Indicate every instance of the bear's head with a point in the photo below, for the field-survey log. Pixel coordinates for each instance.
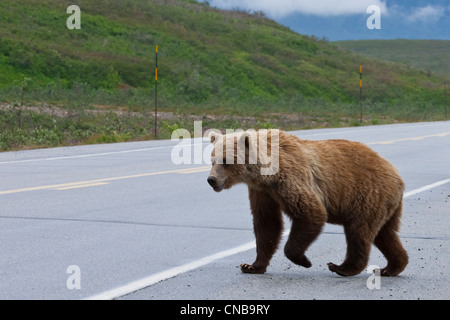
(243, 157)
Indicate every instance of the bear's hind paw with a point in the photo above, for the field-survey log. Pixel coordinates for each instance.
(344, 272)
(334, 268)
(248, 268)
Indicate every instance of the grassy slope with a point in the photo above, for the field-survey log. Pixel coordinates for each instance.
(428, 55)
(210, 61)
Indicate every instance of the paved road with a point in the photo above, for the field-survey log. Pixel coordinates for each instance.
(104, 220)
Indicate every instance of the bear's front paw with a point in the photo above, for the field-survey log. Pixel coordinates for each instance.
(248, 268)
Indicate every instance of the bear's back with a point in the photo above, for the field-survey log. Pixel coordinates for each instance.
(346, 175)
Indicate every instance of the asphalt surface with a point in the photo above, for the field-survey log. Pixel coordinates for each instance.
(123, 221)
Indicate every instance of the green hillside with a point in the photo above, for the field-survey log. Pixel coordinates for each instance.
(226, 64)
(432, 56)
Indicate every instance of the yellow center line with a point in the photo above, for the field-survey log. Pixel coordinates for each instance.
(87, 183)
(98, 182)
(194, 170)
(443, 134)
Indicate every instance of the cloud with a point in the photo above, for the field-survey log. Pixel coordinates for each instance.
(426, 14)
(282, 8)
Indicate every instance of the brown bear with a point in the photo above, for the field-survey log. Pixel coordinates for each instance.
(313, 182)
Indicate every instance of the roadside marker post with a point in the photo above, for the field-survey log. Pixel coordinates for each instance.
(156, 92)
(445, 100)
(360, 93)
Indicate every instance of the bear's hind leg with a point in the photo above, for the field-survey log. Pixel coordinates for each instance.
(388, 242)
(358, 250)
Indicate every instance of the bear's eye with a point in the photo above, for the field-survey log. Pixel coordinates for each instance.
(224, 162)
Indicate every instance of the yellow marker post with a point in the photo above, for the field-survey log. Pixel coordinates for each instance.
(156, 92)
(445, 100)
(360, 76)
(360, 93)
(156, 67)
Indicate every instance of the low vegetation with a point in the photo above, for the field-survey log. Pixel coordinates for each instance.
(227, 68)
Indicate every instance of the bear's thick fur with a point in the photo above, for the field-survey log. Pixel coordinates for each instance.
(335, 181)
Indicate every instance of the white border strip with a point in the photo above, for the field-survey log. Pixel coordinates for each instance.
(173, 272)
(83, 155)
(170, 273)
(425, 188)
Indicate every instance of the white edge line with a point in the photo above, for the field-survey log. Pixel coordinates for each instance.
(298, 133)
(82, 155)
(425, 188)
(91, 154)
(170, 273)
(173, 272)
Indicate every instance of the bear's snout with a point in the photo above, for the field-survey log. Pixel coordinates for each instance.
(217, 186)
(212, 181)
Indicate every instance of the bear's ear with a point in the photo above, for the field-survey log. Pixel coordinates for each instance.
(212, 136)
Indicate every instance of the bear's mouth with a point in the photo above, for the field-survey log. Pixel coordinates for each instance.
(219, 188)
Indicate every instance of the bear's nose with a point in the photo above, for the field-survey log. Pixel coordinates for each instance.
(212, 181)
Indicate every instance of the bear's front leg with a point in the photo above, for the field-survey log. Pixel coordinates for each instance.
(251, 268)
(268, 227)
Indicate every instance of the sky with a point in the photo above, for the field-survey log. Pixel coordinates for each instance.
(351, 19)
